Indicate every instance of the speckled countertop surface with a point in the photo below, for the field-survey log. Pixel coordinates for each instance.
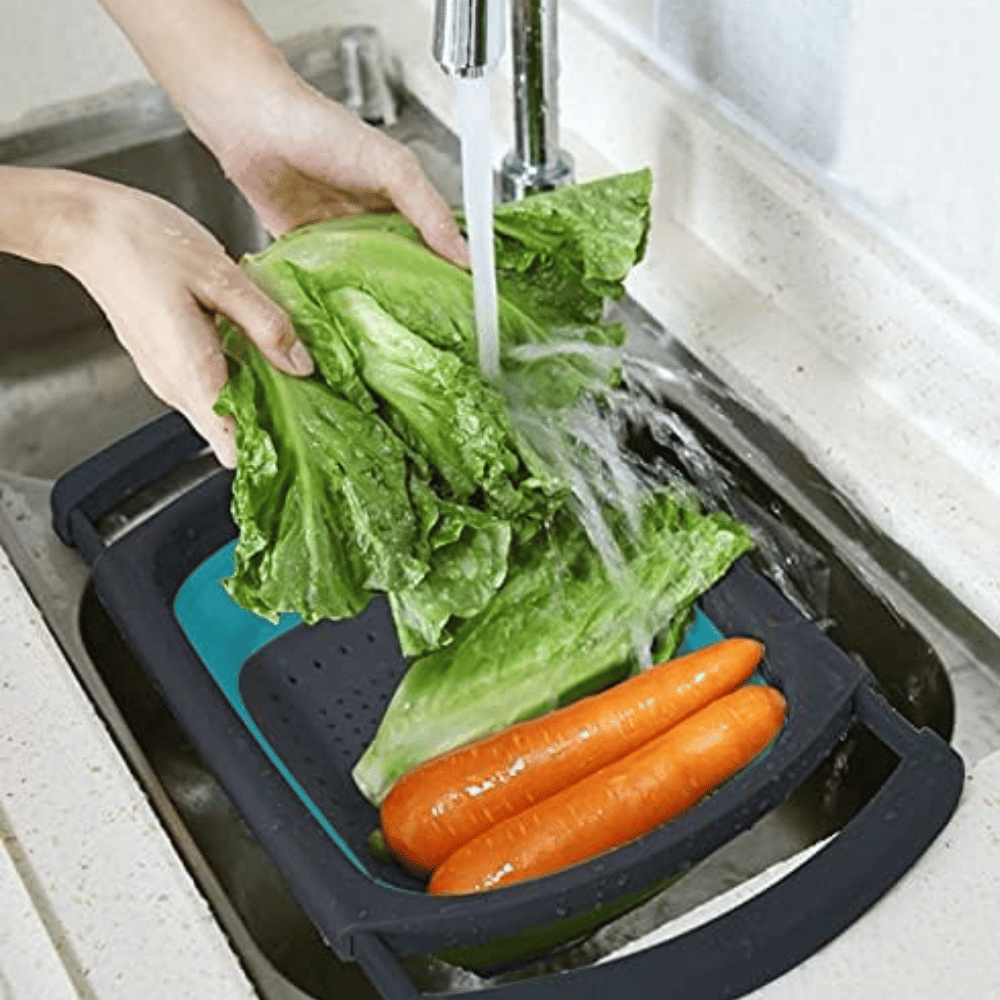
(94, 901)
(883, 377)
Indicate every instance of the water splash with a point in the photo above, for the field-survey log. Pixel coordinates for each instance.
(581, 446)
(795, 566)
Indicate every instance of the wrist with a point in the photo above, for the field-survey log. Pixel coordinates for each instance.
(45, 213)
(204, 53)
(223, 110)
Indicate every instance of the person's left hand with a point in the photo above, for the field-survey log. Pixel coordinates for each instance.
(299, 157)
(161, 279)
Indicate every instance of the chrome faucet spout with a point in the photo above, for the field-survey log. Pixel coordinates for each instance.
(468, 35)
(468, 41)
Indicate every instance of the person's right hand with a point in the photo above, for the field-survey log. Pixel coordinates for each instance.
(160, 277)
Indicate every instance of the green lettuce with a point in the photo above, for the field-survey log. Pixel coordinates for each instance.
(397, 468)
(562, 626)
(511, 558)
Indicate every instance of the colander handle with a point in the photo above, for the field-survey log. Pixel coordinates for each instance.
(92, 489)
(783, 925)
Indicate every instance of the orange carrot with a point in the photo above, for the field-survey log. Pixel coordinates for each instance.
(623, 800)
(438, 806)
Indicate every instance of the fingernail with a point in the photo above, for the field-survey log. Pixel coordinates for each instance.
(460, 252)
(300, 359)
(224, 443)
(227, 456)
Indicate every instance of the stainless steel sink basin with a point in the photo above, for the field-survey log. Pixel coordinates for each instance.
(67, 389)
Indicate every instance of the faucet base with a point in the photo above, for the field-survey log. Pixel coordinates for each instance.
(518, 178)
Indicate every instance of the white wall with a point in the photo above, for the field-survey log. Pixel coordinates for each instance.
(782, 62)
(897, 102)
(59, 50)
(921, 136)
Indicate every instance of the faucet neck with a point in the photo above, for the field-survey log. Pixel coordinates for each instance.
(536, 163)
(468, 41)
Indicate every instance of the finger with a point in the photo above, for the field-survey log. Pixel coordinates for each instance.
(298, 198)
(404, 181)
(234, 295)
(220, 433)
(273, 219)
(204, 371)
(188, 370)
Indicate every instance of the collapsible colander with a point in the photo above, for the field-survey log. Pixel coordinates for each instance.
(281, 713)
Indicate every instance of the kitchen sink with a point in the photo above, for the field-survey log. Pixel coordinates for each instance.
(67, 389)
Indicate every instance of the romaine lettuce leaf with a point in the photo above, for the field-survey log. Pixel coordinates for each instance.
(304, 452)
(561, 257)
(560, 627)
(397, 468)
(394, 470)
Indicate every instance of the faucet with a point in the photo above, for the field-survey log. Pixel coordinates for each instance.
(468, 41)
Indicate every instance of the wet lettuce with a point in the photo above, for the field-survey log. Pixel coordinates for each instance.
(396, 468)
(561, 626)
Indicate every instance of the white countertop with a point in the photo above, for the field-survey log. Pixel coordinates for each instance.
(95, 902)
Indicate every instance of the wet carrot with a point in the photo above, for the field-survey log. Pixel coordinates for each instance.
(438, 806)
(623, 800)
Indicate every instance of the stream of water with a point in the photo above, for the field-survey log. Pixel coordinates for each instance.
(579, 445)
(473, 102)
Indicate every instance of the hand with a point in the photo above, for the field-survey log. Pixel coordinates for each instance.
(299, 157)
(160, 277)
(296, 155)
